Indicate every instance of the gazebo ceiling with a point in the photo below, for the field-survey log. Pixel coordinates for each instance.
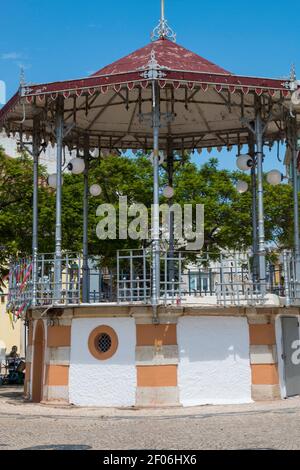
(201, 104)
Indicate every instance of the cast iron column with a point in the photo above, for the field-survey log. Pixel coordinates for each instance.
(294, 149)
(59, 131)
(254, 207)
(155, 222)
(260, 196)
(35, 152)
(170, 167)
(85, 266)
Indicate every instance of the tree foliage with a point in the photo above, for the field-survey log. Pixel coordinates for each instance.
(227, 213)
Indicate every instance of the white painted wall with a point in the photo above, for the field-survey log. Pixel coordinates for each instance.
(214, 361)
(103, 383)
(47, 158)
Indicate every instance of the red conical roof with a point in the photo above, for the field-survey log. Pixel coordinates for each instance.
(168, 54)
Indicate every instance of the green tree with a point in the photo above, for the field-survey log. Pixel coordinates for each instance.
(227, 213)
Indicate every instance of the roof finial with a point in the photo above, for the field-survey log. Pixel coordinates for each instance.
(163, 30)
(162, 11)
(22, 77)
(293, 73)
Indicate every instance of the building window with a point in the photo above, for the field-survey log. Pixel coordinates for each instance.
(199, 282)
(103, 342)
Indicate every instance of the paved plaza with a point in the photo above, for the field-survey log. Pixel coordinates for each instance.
(265, 425)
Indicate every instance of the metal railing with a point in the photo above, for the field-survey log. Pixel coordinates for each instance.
(224, 280)
(133, 275)
(70, 286)
(291, 285)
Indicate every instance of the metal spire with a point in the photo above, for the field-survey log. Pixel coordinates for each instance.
(22, 77)
(163, 30)
(293, 73)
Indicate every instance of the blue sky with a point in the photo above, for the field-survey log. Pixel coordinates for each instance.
(57, 40)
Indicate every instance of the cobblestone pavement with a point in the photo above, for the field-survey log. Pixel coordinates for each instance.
(268, 425)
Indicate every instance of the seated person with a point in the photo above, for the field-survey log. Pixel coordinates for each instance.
(13, 353)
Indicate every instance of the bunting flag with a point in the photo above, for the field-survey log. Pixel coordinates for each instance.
(19, 282)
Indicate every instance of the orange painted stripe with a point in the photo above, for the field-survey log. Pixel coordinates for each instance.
(156, 335)
(57, 375)
(264, 374)
(262, 335)
(59, 336)
(157, 376)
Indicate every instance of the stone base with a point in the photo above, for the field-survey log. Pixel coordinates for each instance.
(157, 396)
(265, 392)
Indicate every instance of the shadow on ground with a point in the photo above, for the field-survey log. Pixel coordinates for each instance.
(59, 447)
(12, 392)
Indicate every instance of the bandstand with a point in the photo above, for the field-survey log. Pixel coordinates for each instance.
(152, 342)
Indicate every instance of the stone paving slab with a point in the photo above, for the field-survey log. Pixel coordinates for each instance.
(268, 425)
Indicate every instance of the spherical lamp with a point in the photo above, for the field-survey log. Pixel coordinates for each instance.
(76, 166)
(242, 187)
(168, 192)
(52, 181)
(95, 190)
(274, 177)
(244, 162)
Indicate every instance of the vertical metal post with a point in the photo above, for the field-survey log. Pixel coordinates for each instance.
(145, 274)
(286, 279)
(260, 196)
(118, 277)
(59, 131)
(35, 152)
(294, 148)
(131, 275)
(155, 223)
(68, 289)
(85, 265)
(162, 10)
(254, 208)
(170, 167)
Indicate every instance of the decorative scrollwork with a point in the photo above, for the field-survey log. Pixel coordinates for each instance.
(163, 30)
(152, 70)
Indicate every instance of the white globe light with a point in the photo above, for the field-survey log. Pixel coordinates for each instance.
(52, 181)
(244, 162)
(241, 187)
(95, 190)
(168, 192)
(95, 153)
(77, 166)
(274, 177)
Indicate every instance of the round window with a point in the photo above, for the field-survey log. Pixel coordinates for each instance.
(103, 342)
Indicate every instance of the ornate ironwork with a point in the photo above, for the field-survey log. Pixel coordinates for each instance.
(163, 30)
(153, 71)
(292, 84)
